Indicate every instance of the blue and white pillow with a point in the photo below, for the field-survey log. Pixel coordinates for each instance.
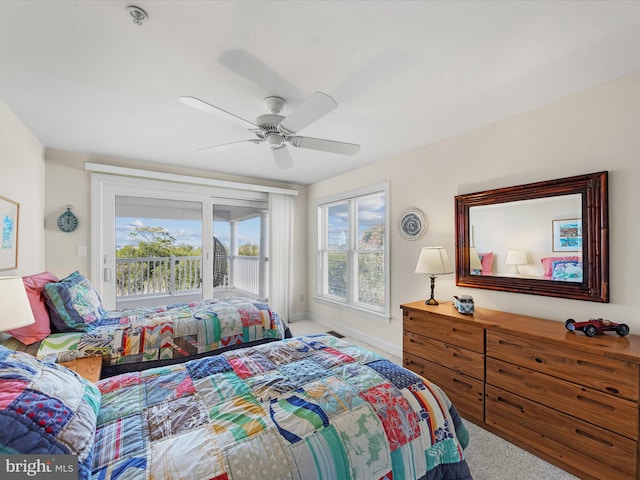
(74, 305)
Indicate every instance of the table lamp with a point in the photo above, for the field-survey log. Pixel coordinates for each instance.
(433, 261)
(15, 310)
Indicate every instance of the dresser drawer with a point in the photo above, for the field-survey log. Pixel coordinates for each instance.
(438, 327)
(451, 356)
(466, 393)
(601, 373)
(615, 414)
(581, 445)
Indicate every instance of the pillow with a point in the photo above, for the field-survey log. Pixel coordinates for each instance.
(547, 263)
(34, 284)
(74, 305)
(46, 409)
(567, 271)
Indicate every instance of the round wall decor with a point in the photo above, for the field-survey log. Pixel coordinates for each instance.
(67, 222)
(412, 224)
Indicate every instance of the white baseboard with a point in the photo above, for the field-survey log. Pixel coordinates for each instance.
(357, 334)
(298, 316)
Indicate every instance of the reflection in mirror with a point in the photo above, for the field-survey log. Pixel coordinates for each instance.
(539, 238)
(544, 238)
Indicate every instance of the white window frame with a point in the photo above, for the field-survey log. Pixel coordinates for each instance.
(351, 302)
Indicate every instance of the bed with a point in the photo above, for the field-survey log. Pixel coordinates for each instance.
(302, 408)
(74, 324)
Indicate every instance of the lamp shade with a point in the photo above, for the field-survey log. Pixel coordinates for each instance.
(474, 259)
(516, 257)
(433, 261)
(15, 310)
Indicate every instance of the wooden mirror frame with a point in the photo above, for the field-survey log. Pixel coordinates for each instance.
(593, 189)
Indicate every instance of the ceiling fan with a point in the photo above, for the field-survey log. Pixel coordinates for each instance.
(279, 131)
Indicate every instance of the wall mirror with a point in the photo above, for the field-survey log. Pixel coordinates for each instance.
(545, 238)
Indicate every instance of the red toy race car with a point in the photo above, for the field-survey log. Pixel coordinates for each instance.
(594, 326)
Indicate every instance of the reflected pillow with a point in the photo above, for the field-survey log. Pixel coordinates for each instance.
(46, 408)
(74, 305)
(486, 260)
(567, 271)
(547, 263)
(33, 285)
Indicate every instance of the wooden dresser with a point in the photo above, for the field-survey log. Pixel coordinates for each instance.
(567, 398)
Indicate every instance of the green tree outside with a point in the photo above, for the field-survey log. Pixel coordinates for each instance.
(158, 243)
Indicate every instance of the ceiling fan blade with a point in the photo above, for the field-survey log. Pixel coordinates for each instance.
(226, 146)
(312, 109)
(217, 111)
(282, 156)
(325, 145)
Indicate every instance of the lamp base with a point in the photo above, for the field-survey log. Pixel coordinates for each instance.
(432, 300)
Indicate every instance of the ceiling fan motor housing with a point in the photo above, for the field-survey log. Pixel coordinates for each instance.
(268, 124)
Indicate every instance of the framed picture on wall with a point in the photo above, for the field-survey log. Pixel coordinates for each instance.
(567, 235)
(9, 241)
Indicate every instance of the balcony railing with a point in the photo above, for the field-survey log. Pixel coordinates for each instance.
(139, 278)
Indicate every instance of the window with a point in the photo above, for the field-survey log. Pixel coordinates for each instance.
(352, 250)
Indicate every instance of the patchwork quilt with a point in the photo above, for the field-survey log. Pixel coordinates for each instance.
(304, 408)
(168, 332)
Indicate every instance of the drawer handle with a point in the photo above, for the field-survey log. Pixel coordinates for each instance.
(460, 382)
(611, 408)
(408, 363)
(510, 344)
(606, 443)
(417, 342)
(459, 355)
(582, 363)
(510, 374)
(615, 391)
(538, 360)
(511, 404)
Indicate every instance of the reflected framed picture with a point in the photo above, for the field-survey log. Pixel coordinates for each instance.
(9, 242)
(567, 235)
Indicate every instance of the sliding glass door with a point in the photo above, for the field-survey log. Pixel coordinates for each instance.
(152, 245)
(158, 251)
(240, 227)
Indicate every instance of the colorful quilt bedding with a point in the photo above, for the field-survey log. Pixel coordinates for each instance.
(151, 336)
(304, 408)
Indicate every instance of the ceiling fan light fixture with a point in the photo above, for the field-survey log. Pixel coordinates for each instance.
(275, 140)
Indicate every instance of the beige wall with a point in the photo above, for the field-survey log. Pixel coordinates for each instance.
(587, 132)
(68, 183)
(22, 180)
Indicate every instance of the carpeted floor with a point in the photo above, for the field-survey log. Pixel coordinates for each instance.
(492, 458)
(489, 456)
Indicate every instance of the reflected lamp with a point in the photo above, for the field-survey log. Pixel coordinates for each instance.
(516, 257)
(474, 260)
(15, 310)
(433, 261)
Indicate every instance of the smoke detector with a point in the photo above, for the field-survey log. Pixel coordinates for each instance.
(138, 14)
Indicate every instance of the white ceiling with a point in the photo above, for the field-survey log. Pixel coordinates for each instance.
(83, 77)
